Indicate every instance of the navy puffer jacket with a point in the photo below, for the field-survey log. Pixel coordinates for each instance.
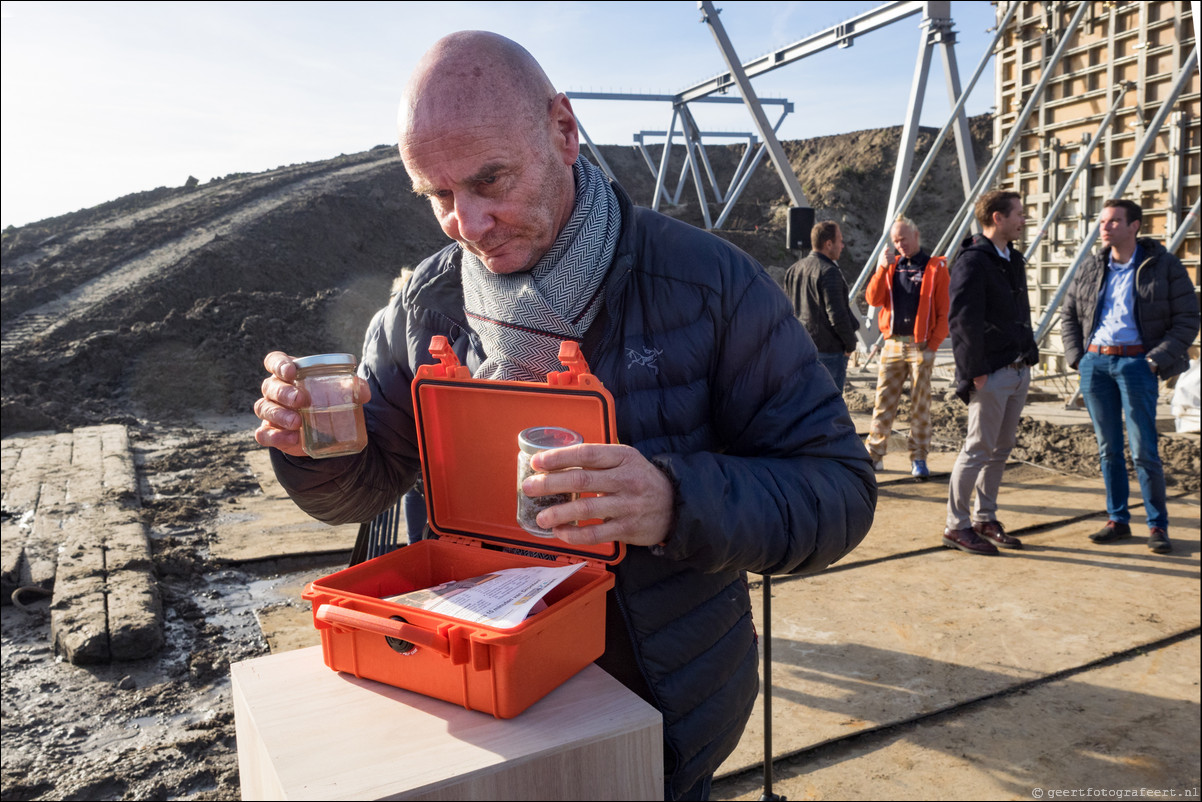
(1166, 308)
(717, 383)
(989, 315)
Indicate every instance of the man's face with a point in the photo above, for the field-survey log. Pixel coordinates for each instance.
(834, 249)
(1116, 232)
(498, 187)
(1011, 225)
(905, 239)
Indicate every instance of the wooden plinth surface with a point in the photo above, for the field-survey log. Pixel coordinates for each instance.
(306, 732)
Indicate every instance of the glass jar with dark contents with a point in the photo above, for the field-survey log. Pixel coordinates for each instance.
(530, 442)
(332, 424)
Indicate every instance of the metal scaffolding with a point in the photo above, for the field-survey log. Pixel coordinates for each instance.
(936, 34)
(695, 153)
(1094, 99)
(898, 207)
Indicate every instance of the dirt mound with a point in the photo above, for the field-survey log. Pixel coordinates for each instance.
(298, 259)
(161, 304)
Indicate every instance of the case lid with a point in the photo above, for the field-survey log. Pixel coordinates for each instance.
(468, 439)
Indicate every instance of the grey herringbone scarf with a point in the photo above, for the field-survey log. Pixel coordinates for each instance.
(522, 318)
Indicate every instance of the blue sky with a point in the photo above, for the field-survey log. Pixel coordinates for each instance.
(103, 99)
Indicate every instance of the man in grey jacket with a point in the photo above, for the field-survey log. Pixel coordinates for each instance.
(736, 451)
(1129, 317)
(818, 291)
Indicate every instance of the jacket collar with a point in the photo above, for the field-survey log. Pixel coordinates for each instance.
(1146, 250)
(979, 242)
(822, 257)
(436, 284)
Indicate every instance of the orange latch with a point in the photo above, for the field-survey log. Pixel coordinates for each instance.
(448, 366)
(577, 374)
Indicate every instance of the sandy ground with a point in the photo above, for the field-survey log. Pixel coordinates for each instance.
(163, 727)
(1138, 713)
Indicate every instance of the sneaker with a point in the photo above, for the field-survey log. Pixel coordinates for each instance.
(878, 463)
(967, 540)
(919, 470)
(1112, 531)
(993, 532)
(1158, 541)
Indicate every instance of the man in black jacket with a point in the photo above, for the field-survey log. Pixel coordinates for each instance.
(990, 325)
(818, 291)
(1129, 317)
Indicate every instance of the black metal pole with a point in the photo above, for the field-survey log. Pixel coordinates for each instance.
(768, 796)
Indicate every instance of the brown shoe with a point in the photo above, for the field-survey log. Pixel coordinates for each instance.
(967, 540)
(1112, 531)
(1158, 541)
(993, 531)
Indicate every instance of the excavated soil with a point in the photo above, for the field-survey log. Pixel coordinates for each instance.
(155, 311)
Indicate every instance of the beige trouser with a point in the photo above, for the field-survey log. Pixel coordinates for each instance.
(900, 360)
(993, 415)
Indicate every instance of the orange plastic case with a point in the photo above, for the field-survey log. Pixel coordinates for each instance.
(467, 437)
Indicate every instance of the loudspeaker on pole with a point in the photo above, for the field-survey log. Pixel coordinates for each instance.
(797, 228)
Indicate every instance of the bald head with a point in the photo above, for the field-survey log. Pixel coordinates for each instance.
(470, 74)
(485, 137)
(905, 237)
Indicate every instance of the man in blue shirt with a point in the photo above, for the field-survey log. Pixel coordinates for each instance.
(1129, 317)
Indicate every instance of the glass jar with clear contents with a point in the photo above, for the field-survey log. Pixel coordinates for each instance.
(530, 442)
(332, 424)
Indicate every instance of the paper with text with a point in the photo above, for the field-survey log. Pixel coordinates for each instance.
(500, 599)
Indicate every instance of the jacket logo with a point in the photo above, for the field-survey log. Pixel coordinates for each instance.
(646, 359)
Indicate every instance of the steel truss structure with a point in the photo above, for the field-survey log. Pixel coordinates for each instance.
(1094, 99)
(696, 158)
(937, 34)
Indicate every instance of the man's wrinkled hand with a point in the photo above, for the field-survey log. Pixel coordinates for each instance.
(635, 503)
(279, 407)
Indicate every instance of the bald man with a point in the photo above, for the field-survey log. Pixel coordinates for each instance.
(737, 453)
(911, 291)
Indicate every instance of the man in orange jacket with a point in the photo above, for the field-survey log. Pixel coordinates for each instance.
(911, 292)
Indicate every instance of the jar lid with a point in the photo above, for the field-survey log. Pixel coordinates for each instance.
(324, 361)
(541, 438)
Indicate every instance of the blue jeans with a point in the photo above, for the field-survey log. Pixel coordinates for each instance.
(1115, 387)
(836, 365)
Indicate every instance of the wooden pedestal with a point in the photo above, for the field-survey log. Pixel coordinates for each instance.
(306, 732)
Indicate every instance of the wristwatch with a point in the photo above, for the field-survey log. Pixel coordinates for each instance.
(1151, 363)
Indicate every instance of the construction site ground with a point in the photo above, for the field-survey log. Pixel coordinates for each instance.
(907, 671)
